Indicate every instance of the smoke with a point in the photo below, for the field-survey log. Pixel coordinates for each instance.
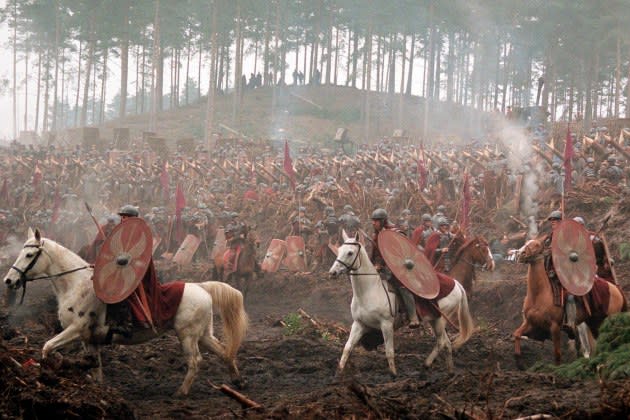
(10, 251)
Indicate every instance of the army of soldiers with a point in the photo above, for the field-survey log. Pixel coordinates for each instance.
(243, 183)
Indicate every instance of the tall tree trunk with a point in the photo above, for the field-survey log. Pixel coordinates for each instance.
(618, 74)
(391, 80)
(124, 61)
(411, 57)
(336, 55)
(94, 70)
(588, 108)
(329, 45)
(213, 83)
(25, 125)
(137, 98)
(186, 84)
(156, 81)
(62, 118)
(402, 81)
(628, 88)
(143, 92)
(450, 66)
(437, 65)
(103, 100)
(46, 127)
(266, 80)
(368, 78)
(212, 63)
(275, 62)
(236, 98)
(14, 122)
(39, 86)
(57, 42)
(355, 57)
(88, 69)
(378, 62)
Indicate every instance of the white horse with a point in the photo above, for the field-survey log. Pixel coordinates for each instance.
(82, 314)
(374, 307)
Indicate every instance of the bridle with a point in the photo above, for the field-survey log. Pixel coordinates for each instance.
(350, 267)
(24, 279)
(472, 263)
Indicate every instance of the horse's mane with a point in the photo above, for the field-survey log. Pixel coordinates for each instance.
(466, 244)
(71, 252)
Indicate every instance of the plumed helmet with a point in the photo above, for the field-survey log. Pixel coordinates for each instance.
(128, 210)
(379, 214)
(426, 217)
(443, 222)
(555, 215)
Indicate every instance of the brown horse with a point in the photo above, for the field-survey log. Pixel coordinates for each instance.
(542, 319)
(246, 264)
(474, 253)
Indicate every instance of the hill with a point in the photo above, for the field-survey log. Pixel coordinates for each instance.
(310, 114)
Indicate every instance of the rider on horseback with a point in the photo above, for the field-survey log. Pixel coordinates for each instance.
(380, 222)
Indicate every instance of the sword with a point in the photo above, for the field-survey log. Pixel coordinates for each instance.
(100, 229)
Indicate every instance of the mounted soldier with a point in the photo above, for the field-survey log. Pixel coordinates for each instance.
(422, 232)
(437, 246)
(379, 223)
(90, 252)
(135, 308)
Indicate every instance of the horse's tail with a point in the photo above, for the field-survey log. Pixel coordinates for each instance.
(230, 303)
(466, 326)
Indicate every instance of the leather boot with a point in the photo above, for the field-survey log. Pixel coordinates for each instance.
(410, 307)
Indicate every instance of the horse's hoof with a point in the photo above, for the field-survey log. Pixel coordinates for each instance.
(239, 383)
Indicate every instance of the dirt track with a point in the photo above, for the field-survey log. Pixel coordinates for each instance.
(294, 375)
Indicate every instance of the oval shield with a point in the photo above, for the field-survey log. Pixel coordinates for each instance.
(123, 260)
(573, 257)
(408, 264)
(295, 259)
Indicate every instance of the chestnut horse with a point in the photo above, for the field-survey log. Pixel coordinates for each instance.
(474, 253)
(245, 266)
(542, 319)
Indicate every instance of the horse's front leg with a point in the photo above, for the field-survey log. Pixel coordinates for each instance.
(387, 328)
(356, 332)
(73, 332)
(518, 333)
(556, 339)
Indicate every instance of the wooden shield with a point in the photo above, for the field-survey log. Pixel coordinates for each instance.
(573, 257)
(296, 254)
(408, 264)
(123, 260)
(275, 253)
(220, 244)
(187, 249)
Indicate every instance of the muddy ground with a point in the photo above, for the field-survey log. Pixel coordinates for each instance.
(290, 369)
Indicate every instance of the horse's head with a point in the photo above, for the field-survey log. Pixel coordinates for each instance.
(348, 255)
(530, 251)
(484, 255)
(29, 262)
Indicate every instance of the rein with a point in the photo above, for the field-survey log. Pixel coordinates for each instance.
(23, 279)
(351, 269)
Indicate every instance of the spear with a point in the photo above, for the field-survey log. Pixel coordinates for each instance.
(100, 229)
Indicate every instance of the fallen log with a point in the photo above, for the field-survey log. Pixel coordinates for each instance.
(240, 398)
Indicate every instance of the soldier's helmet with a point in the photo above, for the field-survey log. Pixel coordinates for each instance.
(128, 210)
(329, 210)
(302, 209)
(233, 214)
(580, 220)
(406, 212)
(347, 208)
(426, 217)
(202, 206)
(379, 214)
(555, 165)
(112, 218)
(443, 222)
(555, 215)
(441, 208)
(612, 159)
(590, 160)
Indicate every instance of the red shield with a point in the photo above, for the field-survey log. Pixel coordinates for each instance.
(123, 260)
(408, 264)
(573, 257)
(219, 244)
(296, 254)
(275, 253)
(187, 249)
